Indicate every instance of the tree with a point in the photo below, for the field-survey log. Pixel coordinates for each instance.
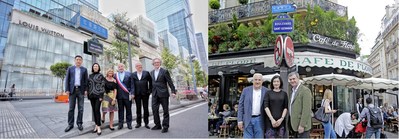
(186, 71)
(59, 70)
(119, 48)
(168, 60)
(199, 74)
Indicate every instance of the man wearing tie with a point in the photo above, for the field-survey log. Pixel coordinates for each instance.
(160, 94)
(142, 89)
(76, 85)
(124, 95)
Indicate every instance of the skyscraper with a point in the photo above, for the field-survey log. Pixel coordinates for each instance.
(173, 15)
(203, 57)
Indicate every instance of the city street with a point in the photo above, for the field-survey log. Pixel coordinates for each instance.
(47, 119)
(187, 122)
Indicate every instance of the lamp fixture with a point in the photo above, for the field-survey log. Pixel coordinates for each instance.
(339, 70)
(252, 71)
(220, 73)
(308, 69)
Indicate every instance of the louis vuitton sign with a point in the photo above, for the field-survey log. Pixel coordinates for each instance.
(42, 29)
(317, 38)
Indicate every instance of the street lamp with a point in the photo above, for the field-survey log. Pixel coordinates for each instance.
(130, 30)
(191, 52)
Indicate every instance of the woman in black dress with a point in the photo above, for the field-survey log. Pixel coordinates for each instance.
(96, 93)
(276, 107)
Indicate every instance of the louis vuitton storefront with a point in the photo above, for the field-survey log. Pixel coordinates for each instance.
(229, 72)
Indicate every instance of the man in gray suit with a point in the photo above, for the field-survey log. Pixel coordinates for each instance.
(251, 111)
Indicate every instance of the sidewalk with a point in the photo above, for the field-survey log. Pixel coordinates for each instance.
(46, 119)
(13, 124)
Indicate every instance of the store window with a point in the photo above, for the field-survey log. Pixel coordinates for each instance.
(344, 99)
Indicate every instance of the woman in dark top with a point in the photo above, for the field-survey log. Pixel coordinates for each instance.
(109, 103)
(276, 107)
(96, 93)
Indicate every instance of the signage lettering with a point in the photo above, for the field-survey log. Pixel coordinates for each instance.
(233, 62)
(328, 61)
(42, 29)
(316, 38)
(332, 62)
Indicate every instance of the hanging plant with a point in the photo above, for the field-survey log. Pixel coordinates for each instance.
(243, 2)
(214, 4)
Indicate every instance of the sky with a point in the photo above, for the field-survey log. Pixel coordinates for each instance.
(134, 8)
(368, 15)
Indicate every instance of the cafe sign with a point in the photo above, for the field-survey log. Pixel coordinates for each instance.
(317, 38)
(333, 62)
(236, 61)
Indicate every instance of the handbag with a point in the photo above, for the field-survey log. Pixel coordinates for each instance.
(321, 115)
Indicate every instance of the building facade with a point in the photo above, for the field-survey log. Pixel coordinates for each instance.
(384, 54)
(146, 29)
(170, 42)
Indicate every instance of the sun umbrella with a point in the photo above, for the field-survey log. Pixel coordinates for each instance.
(376, 83)
(332, 79)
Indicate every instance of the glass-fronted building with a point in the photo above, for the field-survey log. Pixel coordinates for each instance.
(39, 33)
(171, 15)
(203, 57)
(58, 11)
(170, 42)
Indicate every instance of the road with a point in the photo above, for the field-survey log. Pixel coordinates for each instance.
(187, 122)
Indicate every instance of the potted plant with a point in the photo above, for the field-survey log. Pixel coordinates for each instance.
(59, 70)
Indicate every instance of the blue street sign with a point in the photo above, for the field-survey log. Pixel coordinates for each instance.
(283, 8)
(283, 26)
(282, 16)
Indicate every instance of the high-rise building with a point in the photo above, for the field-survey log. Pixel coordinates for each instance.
(146, 29)
(170, 42)
(174, 16)
(203, 57)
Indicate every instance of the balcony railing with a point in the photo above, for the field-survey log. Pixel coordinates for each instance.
(264, 7)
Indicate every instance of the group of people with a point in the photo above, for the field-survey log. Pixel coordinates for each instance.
(262, 112)
(116, 92)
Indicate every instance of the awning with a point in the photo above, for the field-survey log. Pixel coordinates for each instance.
(302, 59)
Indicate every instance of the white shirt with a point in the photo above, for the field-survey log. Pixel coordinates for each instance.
(343, 123)
(294, 91)
(77, 76)
(139, 75)
(256, 98)
(156, 72)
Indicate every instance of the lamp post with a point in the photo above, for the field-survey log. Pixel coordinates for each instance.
(130, 30)
(191, 52)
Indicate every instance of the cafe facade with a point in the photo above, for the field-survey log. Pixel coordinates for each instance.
(229, 72)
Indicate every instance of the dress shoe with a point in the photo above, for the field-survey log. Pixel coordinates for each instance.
(120, 127)
(94, 131)
(80, 127)
(68, 128)
(99, 133)
(137, 126)
(146, 126)
(164, 130)
(111, 128)
(129, 126)
(156, 128)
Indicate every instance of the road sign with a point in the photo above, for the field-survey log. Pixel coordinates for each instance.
(289, 51)
(283, 26)
(278, 50)
(283, 8)
(282, 16)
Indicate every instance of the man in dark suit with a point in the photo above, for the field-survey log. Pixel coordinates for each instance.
(141, 90)
(76, 81)
(124, 95)
(160, 94)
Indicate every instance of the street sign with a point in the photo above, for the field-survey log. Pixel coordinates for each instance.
(283, 8)
(282, 16)
(283, 26)
(278, 50)
(289, 51)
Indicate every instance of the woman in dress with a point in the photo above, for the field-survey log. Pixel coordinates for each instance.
(109, 103)
(96, 93)
(276, 107)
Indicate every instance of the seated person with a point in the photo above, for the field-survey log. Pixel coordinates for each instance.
(226, 113)
(212, 122)
(343, 124)
(233, 124)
